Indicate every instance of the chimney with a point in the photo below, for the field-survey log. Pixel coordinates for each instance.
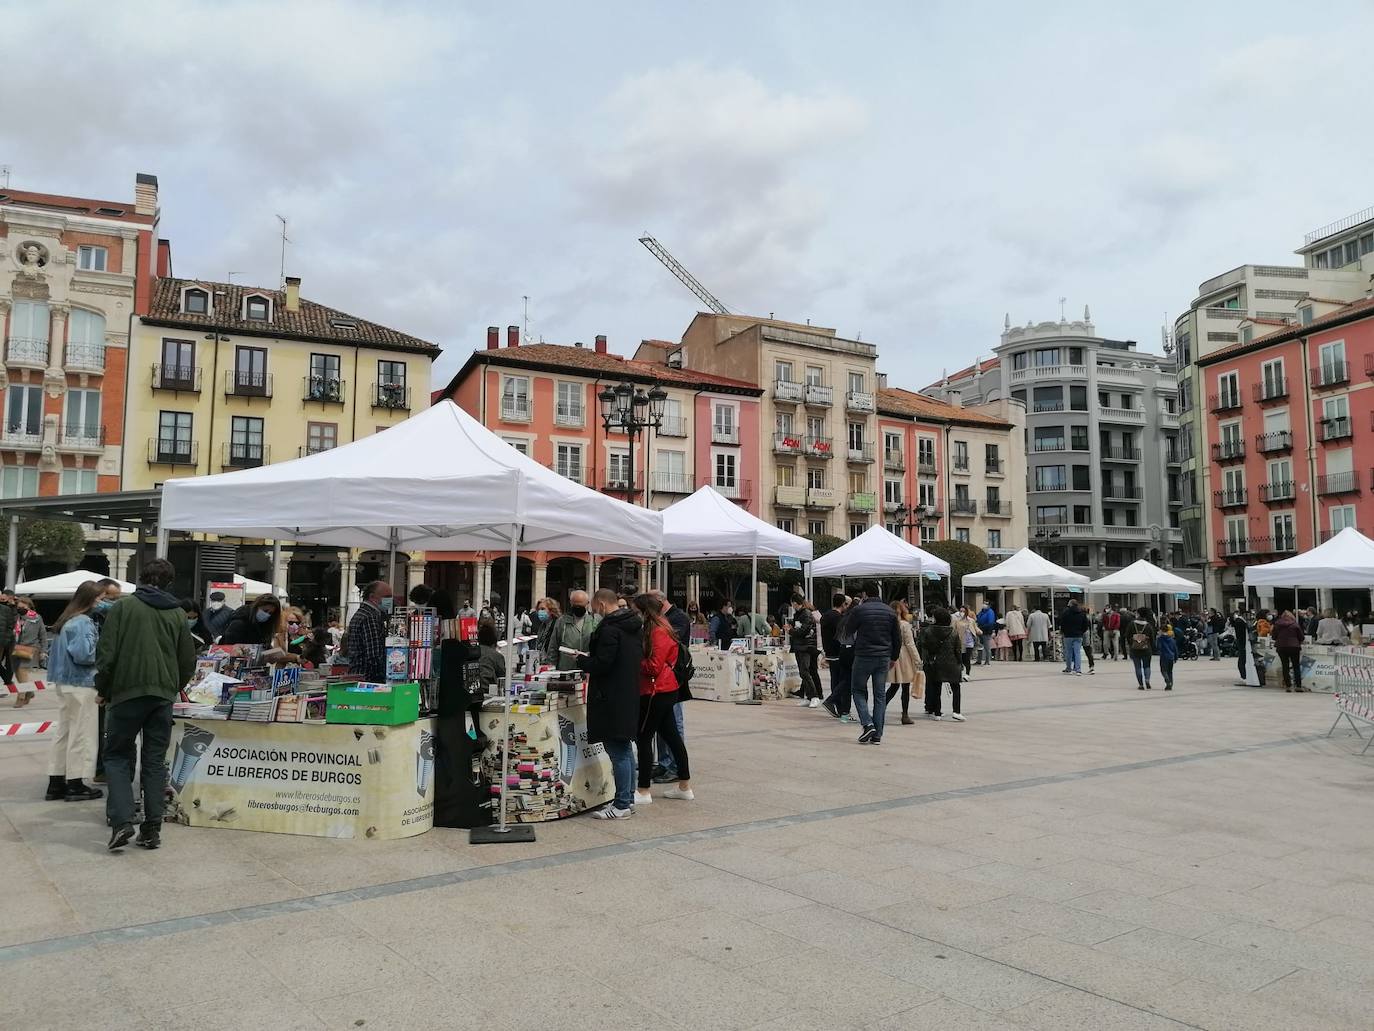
(164, 259)
(601, 343)
(881, 377)
(293, 293)
(145, 194)
(512, 336)
(493, 337)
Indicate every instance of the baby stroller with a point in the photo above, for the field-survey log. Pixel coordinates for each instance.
(1188, 639)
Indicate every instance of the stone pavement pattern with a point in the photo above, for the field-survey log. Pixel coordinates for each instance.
(1077, 855)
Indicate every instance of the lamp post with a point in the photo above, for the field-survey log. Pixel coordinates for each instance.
(631, 411)
(910, 517)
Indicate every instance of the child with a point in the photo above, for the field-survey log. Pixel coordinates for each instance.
(1167, 646)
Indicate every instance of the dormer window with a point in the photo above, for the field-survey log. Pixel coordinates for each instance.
(196, 302)
(257, 308)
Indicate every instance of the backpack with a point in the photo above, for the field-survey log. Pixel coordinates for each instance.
(1140, 641)
(683, 672)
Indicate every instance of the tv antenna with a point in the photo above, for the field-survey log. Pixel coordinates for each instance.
(526, 338)
(281, 285)
(5, 176)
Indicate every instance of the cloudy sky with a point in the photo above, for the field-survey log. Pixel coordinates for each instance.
(907, 172)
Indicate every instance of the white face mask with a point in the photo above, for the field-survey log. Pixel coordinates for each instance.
(215, 606)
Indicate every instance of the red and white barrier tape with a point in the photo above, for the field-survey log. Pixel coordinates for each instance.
(36, 685)
(26, 729)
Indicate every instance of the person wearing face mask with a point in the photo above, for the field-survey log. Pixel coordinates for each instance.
(695, 615)
(110, 593)
(217, 615)
(546, 616)
(367, 633)
(572, 630)
(723, 626)
(258, 622)
(200, 636)
(296, 640)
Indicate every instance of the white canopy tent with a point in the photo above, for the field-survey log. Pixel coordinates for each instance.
(438, 481)
(709, 525)
(1346, 560)
(1144, 577)
(252, 588)
(1026, 569)
(878, 552)
(63, 585)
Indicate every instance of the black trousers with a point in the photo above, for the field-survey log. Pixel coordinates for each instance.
(906, 695)
(656, 717)
(968, 660)
(1289, 660)
(1242, 646)
(808, 668)
(1039, 647)
(1017, 648)
(151, 717)
(935, 689)
(840, 695)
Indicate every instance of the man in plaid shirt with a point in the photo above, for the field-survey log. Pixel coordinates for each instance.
(367, 634)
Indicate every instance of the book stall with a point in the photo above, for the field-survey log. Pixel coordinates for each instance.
(754, 669)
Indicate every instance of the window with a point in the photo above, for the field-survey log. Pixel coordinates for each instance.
(1341, 517)
(1050, 477)
(1247, 333)
(786, 525)
(1230, 437)
(992, 458)
(321, 436)
(568, 460)
(782, 372)
(1078, 555)
(519, 443)
(856, 436)
(1078, 399)
(815, 478)
(85, 330)
(1305, 314)
(1047, 357)
(1367, 243)
(994, 499)
(856, 382)
(892, 492)
(83, 416)
(1082, 515)
(925, 452)
(858, 483)
(1333, 362)
(1081, 480)
(1228, 390)
(1237, 537)
(926, 496)
(325, 383)
(724, 426)
(1049, 399)
(726, 463)
(30, 327)
(815, 426)
(815, 527)
(783, 423)
(618, 469)
(245, 441)
(961, 498)
(1049, 438)
(1234, 483)
(196, 302)
(569, 407)
(856, 529)
(1078, 438)
(19, 481)
(961, 455)
(674, 425)
(1335, 417)
(1020, 360)
(672, 470)
(24, 414)
(815, 376)
(178, 363)
(1280, 475)
(91, 259)
(174, 436)
(927, 533)
(787, 475)
(1285, 534)
(78, 481)
(515, 402)
(892, 445)
(961, 534)
(250, 370)
(1271, 374)
(256, 308)
(994, 539)
(391, 374)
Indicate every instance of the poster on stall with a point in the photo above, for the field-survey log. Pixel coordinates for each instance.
(331, 781)
(721, 676)
(233, 594)
(553, 770)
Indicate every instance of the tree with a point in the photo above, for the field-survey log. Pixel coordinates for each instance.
(962, 557)
(730, 578)
(54, 539)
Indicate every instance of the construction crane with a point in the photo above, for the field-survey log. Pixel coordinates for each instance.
(688, 280)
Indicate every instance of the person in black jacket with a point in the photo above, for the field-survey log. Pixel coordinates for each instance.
(942, 659)
(723, 627)
(259, 622)
(877, 643)
(801, 637)
(613, 694)
(839, 657)
(1073, 624)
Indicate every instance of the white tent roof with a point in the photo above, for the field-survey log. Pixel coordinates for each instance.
(63, 585)
(440, 480)
(708, 525)
(877, 552)
(1026, 569)
(1144, 578)
(1346, 560)
(253, 588)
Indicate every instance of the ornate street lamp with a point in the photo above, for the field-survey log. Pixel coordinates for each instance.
(631, 411)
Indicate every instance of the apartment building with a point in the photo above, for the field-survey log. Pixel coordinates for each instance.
(542, 399)
(1101, 433)
(951, 472)
(818, 450)
(1290, 425)
(1336, 268)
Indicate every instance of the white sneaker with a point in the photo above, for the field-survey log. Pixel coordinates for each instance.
(815, 704)
(956, 716)
(643, 798)
(610, 812)
(932, 716)
(677, 792)
(804, 704)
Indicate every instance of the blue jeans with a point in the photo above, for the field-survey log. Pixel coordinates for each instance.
(1073, 654)
(1142, 668)
(870, 670)
(623, 768)
(985, 648)
(1213, 647)
(666, 758)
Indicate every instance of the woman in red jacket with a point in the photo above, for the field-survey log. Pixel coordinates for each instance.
(657, 696)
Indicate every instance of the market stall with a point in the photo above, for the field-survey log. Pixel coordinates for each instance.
(1144, 577)
(438, 481)
(879, 553)
(1029, 570)
(63, 585)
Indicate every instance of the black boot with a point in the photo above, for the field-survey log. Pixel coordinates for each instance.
(79, 791)
(57, 789)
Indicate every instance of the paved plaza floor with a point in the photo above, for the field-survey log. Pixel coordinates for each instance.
(1078, 854)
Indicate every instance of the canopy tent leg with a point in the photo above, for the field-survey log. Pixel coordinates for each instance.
(921, 596)
(591, 573)
(390, 559)
(754, 589)
(278, 587)
(503, 832)
(12, 550)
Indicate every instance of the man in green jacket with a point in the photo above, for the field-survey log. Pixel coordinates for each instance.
(573, 630)
(144, 659)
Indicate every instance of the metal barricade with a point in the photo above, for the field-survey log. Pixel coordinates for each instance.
(1354, 693)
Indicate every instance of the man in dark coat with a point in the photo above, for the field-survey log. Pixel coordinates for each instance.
(617, 647)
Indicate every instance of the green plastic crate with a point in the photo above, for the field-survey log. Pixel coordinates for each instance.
(386, 705)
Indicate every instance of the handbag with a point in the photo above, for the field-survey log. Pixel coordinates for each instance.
(22, 651)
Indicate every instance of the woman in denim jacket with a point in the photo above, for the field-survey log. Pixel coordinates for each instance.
(71, 668)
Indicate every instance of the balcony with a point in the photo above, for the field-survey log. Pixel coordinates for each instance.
(789, 497)
(1167, 417)
(1116, 492)
(180, 379)
(1325, 535)
(515, 409)
(724, 434)
(1275, 388)
(1121, 454)
(1050, 531)
(82, 438)
(613, 484)
(787, 391)
(964, 507)
(859, 401)
(862, 455)
(737, 490)
(1339, 483)
(1173, 458)
(246, 456)
(820, 396)
(1132, 415)
(1040, 407)
(1228, 451)
(994, 467)
(926, 467)
(787, 444)
(673, 426)
(1049, 372)
(820, 497)
(1126, 533)
(1175, 501)
(671, 483)
(1274, 442)
(1116, 374)
(863, 501)
(85, 358)
(31, 352)
(819, 447)
(172, 451)
(1332, 373)
(1233, 547)
(999, 508)
(1232, 498)
(238, 383)
(895, 461)
(313, 449)
(1334, 429)
(393, 397)
(325, 390)
(1042, 444)
(1278, 544)
(961, 463)
(1278, 490)
(19, 436)
(1227, 401)
(571, 416)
